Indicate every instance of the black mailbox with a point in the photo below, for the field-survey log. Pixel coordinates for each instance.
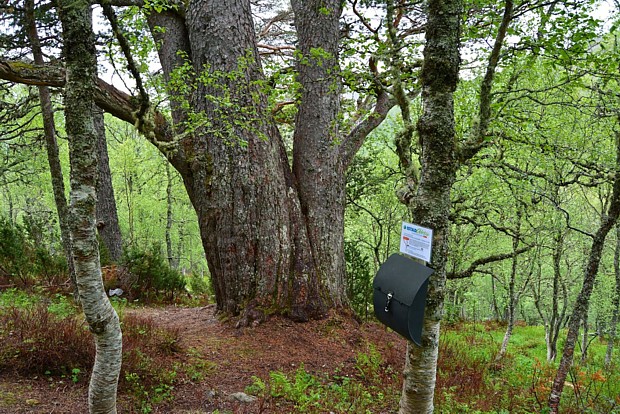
(400, 294)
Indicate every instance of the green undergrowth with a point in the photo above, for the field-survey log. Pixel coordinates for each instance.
(370, 388)
(470, 380)
(47, 337)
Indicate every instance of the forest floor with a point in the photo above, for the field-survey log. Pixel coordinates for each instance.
(234, 358)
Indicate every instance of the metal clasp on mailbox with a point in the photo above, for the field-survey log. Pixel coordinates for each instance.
(390, 295)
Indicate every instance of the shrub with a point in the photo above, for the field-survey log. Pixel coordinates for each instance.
(150, 273)
(24, 260)
(199, 285)
(14, 251)
(35, 341)
(359, 279)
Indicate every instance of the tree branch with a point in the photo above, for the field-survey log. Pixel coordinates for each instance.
(156, 128)
(354, 140)
(473, 267)
(477, 141)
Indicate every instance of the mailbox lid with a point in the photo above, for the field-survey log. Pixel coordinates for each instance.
(401, 276)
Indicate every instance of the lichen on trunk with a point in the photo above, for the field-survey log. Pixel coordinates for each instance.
(79, 50)
(431, 205)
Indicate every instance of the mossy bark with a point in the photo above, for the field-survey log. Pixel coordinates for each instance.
(81, 72)
(430, 207)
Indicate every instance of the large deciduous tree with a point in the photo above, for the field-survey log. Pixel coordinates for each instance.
(271, 227)
(272, 232)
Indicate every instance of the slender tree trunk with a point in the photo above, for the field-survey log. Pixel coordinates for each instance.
(555, 323)
(615, 303)
(171, 261)
(583, 299)
(107, 216)
(80, 55)
(51, 145)
(496, 314)
(584, 339)
(431, 206)
(512, 296)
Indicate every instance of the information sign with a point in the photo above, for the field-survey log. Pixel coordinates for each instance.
(416, 241)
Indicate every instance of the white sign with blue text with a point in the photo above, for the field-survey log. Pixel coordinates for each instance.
(416, 241)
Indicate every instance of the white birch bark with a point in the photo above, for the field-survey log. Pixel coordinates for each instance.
(79, 49)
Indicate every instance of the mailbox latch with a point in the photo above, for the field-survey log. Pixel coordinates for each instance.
(390, 295)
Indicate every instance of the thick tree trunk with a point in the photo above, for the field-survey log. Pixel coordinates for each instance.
(431, 205)
(79, 50)
(270, 240)
(107, 217)
(583, 299)
(51, 145)
(318, 164)
(241, 185)
(615, 302)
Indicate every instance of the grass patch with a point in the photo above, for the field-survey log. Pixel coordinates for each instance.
(470, 381)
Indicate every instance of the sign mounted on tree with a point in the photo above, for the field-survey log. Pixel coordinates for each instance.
(399, 295)
(416, 241)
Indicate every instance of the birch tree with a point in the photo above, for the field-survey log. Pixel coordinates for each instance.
(79, 50)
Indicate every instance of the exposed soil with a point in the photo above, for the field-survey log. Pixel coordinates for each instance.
(324, 346)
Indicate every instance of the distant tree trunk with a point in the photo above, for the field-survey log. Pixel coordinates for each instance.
(615, 302)
(512, 296)
(171, 262)
(553, 323)
(584, 339)
(496, 313)
(79, 51)
(556, 320)
(107, 216)
(608, 220)
(51, 145)
(431, 205)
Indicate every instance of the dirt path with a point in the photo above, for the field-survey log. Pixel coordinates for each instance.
(233, 356)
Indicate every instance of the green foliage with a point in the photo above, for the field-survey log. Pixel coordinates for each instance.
(472, 381)
(22, 260)
(200, 285)
(370, 391)
(359, 278)
(14, 262)
(151, 273)
(15, 298)
(369, 364)
(62, 306)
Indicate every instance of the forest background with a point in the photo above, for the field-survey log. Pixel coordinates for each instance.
(535, 116)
